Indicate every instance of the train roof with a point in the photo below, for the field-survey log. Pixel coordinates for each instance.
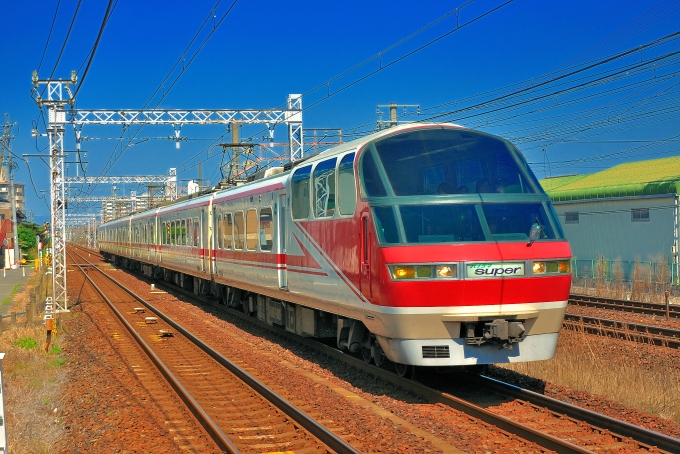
(357, 143)
(203, 198)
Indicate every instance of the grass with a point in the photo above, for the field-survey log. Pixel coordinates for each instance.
(7, 300)
(32, 385)
(620, 371)
(26, 343)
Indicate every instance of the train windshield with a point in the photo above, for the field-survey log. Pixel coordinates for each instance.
(444, 161)
(453, 223)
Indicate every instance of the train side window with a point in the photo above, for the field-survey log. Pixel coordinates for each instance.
(239, 231)
(220, 237)
(347, 193)
(172, 232)
(266, 229)
(228, 231)
(300, 193)
(195, 233)
(183, 232)
(324, 188)
(251, 230)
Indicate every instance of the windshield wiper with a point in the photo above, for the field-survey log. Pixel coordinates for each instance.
(535, 233)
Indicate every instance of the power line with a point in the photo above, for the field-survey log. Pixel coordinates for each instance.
(94, 49)
(569, 74)
(113, 158)
(61, 52)
(379, 55)
(49, 35)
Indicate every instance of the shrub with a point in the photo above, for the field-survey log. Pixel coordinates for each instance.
(26, 342)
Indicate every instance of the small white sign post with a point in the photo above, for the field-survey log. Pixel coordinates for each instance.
(3, 421)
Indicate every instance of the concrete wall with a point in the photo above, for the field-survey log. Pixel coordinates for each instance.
(606, 227)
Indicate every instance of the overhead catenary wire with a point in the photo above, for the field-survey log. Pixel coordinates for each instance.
(49, 35)
(113, 158)
(63, 46)
(94, 48)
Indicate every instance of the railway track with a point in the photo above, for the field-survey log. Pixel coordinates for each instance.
(638, 307)
(237, 411)
(655, 335)
(549, 423)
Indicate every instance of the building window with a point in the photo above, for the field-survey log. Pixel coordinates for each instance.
(571, 217)
(639, 214)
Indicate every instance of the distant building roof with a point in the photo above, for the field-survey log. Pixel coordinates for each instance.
(656, 176)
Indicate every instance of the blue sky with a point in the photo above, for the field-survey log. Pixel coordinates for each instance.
(264, 50)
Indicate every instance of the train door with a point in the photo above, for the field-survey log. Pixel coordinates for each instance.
(365, 258)
(205, 242)
(281, 241)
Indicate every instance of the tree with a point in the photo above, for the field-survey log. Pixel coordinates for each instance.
(27, 232)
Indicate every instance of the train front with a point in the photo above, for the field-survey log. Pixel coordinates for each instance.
(466, 262)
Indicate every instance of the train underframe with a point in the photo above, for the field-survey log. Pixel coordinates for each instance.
(481, 340)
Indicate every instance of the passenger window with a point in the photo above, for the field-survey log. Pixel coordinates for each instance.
(173, 233)
(183, 232)
(266, 229)
(196, 232)
(239, 231)
(220, 238)
(251, 230)
(346, 189)
(228, 231)
(300, 192)
(324, 188)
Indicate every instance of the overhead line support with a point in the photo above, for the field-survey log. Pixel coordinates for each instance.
(58, 96)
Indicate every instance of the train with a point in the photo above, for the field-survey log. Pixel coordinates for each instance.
(426, 244)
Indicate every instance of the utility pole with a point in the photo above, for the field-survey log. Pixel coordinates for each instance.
(9, 163)
(408, 109)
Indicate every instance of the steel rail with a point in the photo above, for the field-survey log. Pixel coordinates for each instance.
(312, 426)
(204, 419)
(637, 433)
(520, 430)
(639, 307)
(656, 335)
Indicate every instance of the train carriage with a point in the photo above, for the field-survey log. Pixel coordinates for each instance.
(428, 244)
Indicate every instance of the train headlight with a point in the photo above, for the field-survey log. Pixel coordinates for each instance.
(564, 266)
(399, 272)
(424, 271)
(403, 272)
(539, 267)
(446, 270)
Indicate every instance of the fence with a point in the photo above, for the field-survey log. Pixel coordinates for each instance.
(35, 305)
(623, 269)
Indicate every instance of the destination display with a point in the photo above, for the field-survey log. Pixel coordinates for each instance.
(495, 269)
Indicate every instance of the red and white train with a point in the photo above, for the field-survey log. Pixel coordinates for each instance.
(428, 244)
